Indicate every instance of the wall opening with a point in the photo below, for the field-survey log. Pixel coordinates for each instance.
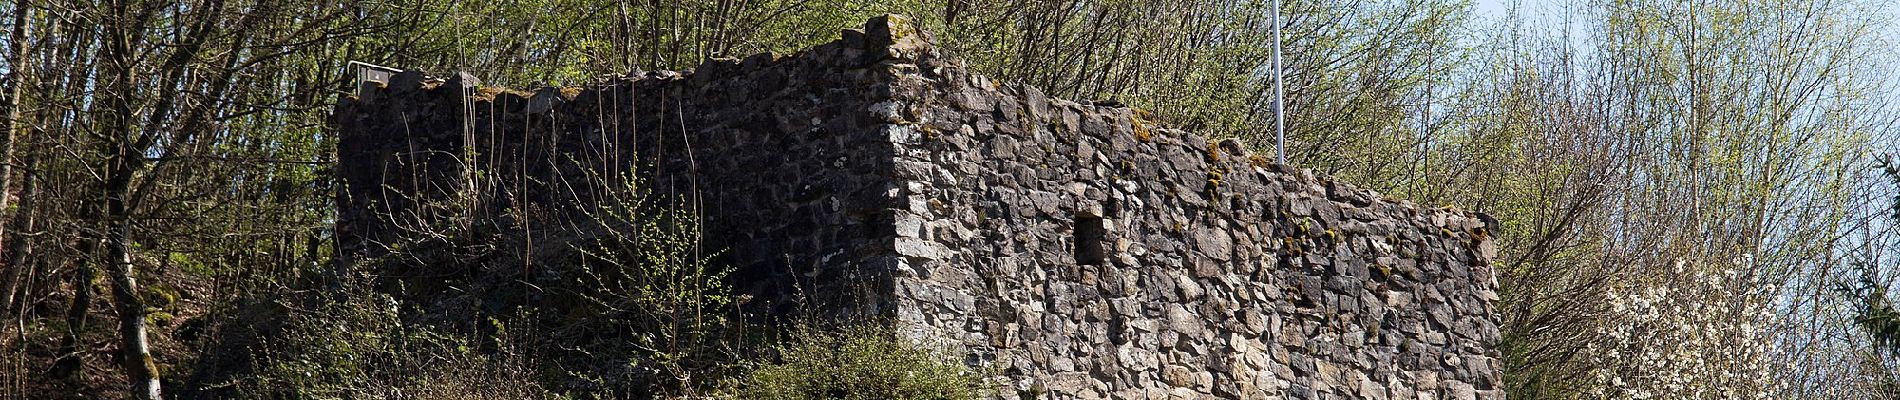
(1089, 235)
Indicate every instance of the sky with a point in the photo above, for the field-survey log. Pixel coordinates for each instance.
(1496, 10)
(1490, 8)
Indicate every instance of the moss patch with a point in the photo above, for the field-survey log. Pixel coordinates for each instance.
(1140, 120)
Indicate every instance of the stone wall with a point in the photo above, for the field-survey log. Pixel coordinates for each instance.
(1081, 249)
(1094, 254)
(777, 153)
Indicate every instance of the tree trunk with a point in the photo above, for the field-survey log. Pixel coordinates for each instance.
(124, 147)
(135, 355)
(70, 359)
(16, 52)
(18, 252)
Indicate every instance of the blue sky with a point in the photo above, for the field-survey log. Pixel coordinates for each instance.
(1888, 33)
(1490, 8)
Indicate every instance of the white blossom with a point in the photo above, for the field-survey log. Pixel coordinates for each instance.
(1700, 333)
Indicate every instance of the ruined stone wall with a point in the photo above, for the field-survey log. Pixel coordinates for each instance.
(777, 154)
(1081, 249)
(1094, 254)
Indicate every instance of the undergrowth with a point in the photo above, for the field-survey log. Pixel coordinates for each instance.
(635, 306)
(861, 362)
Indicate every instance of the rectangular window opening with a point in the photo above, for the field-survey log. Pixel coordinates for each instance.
(1089, 238)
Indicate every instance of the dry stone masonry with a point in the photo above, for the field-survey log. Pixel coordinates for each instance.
(1081, 250)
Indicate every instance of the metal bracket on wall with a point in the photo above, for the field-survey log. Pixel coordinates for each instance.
(366, 73)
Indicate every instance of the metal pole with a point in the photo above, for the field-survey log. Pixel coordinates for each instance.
(1279, 97)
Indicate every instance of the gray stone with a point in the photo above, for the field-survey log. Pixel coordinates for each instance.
(1189, 289)
(1456, 390)
(463, 80)
(1183, 321)
(1178, 376)
(544, 100)
(407, 81)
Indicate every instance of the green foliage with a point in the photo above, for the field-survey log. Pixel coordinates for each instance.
(1874, 312)
(158, 296)
(517, 43)
(1639, 132)
(645, 275)
(861, 363)
(1874, 315)
(358, 346)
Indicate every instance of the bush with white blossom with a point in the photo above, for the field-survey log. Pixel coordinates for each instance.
(1688, 332)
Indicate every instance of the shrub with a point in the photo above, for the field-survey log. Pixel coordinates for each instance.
(861, 363)
(1694, 332)
(651, 291)
(356, 346)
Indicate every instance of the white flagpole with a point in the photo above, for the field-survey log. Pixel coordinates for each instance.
(1279, 97)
